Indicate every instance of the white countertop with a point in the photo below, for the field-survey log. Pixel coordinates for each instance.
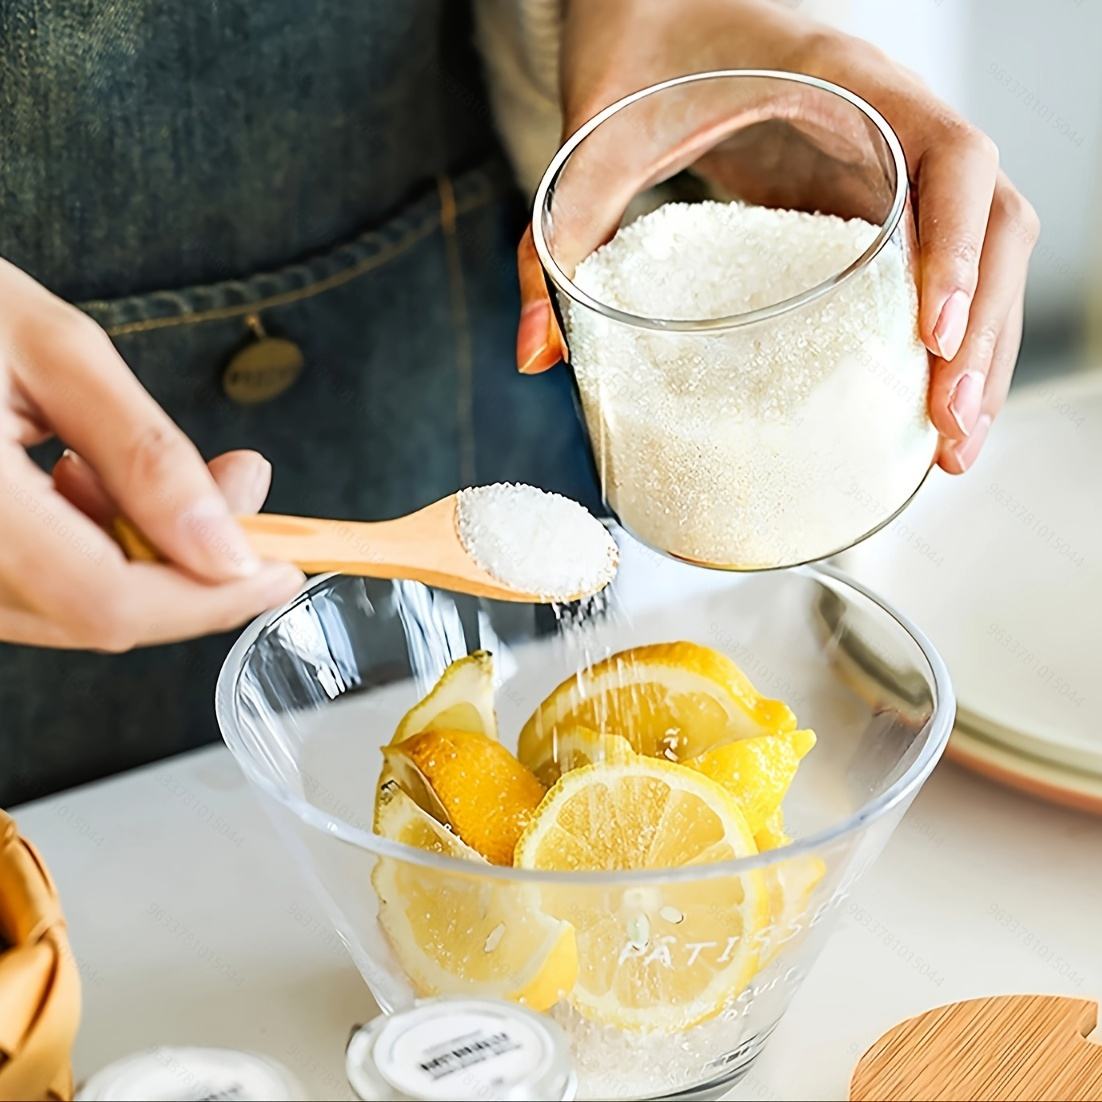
(192, 926)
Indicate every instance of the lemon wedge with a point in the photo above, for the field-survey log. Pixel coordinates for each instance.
(470, 782)
(461, 700)
(790, 882)
(659, 955)
(455, 933)
(771, 835)
(578, 746)
(756, 771)
(674, 700)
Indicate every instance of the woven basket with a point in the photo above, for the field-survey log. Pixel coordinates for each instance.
(39, 986)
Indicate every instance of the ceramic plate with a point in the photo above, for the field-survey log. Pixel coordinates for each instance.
(1043, 779)
(1003, 570)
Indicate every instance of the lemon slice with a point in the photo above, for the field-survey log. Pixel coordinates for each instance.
(482, 792)
(455, 933)
(661, 955)
(676, 700)
(756, 771)
(790, 883)
(578, 746)
(771, 835)
(461, 700)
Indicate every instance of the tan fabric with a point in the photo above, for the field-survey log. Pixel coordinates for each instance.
(39, 985)
(519, 41)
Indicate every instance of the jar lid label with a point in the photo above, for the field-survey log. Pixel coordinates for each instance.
(166, 1074)
(457, 1051)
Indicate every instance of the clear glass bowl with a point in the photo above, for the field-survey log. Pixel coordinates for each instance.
(309, 694)
(793, 423)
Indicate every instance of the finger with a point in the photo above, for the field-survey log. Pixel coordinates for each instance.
(1004, 360)
(244, 477)
(50, 550)
(957, 390)
(69, 572)
(146, 464)
(30, 629)
(80, 486)
(956, 457)
(161, 605)
(956, 184)
(11, 598)
(539, 342)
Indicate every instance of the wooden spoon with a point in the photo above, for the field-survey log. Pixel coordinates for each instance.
(423, 547)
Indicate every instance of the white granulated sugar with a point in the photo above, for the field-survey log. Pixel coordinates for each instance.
(534, 541)
(769, 444)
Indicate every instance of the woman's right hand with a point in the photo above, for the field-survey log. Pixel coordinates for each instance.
(975, 229)
(64, 582)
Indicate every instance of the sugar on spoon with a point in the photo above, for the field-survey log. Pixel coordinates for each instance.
(507, 541)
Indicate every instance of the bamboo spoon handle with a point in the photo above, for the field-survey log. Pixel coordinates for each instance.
(423, 547)
(316, 545)
(382, 549)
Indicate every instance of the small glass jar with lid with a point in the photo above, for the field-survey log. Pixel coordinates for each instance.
(460, 1049)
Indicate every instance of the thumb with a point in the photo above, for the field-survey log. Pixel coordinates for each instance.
(540, 344)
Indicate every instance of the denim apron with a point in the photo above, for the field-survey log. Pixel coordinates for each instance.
(198, 175)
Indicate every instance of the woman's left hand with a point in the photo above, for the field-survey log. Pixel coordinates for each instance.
(975, 229)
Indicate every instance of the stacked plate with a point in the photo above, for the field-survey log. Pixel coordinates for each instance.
(1003, 569)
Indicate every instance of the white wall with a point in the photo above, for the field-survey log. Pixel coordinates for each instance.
(1030, 74)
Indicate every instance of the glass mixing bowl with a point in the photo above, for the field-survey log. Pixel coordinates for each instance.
(310, 693)
(755, 392)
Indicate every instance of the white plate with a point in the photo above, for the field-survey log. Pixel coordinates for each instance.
(1044, 779)
(1003, 569)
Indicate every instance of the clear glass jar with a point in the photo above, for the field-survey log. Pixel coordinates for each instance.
(187, 1073)
(756, 396)
(460, 1048)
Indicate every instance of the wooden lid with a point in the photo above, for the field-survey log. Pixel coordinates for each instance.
(1032, 1048)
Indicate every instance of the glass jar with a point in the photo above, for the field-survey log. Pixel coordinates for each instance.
(460, 1048)
(750, 372)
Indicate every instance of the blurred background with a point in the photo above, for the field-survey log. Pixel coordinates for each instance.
(1028, 75)
(1022, 656)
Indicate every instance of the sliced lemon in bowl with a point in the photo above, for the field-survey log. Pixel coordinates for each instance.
(461, 700)
(575, 747)
(674, 700)
(660, 954)
(771, 834)
(756, 771)
(471, 783)
(455, 933)
(790, 882)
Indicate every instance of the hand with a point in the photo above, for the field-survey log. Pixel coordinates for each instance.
(975, 230)
(63, 580)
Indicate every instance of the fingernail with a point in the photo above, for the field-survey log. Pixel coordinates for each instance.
(532, 332)
(280, 583)
(209, 527)
(965, 403)
(949, 331)
(967, 452)
(260, 480)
